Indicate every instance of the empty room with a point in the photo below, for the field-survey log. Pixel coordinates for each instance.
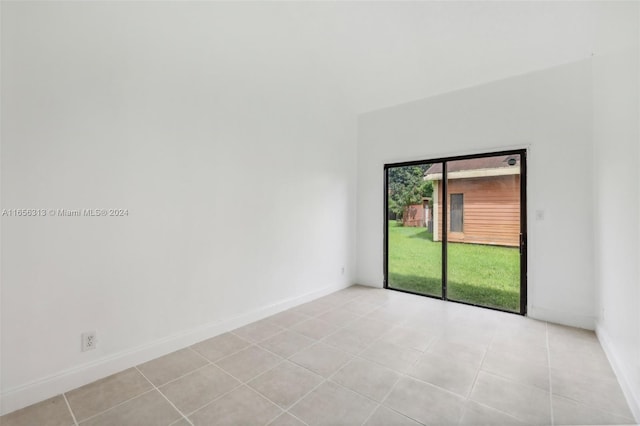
(320, 213)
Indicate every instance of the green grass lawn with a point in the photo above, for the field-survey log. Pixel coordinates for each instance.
(479, 274)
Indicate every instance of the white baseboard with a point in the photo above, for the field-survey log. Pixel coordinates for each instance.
(587, 322)
(633, 398)
(66, 380)
(371, 285)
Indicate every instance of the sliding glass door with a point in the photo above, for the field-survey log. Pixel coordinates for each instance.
(414, 257)
(455, 229)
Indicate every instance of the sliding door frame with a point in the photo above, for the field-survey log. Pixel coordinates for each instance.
(445, 232)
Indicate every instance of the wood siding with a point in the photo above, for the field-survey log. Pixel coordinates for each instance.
(414, 215)
(491, 210)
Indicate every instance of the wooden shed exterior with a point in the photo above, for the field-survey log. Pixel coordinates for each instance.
(484, 208)
(417, 215)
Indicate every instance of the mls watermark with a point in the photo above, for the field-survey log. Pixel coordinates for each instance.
(65, 212)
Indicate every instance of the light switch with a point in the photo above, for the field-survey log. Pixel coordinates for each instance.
(539, 214)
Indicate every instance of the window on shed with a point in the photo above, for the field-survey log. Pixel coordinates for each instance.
(457, 212)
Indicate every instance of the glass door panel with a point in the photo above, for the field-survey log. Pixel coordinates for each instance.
(414, 246)
(483, 197)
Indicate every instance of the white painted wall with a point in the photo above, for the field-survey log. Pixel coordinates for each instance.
(617, 191)
(549, 112)
(233, 154)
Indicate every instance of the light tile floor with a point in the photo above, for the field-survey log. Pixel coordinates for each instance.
(360, 356)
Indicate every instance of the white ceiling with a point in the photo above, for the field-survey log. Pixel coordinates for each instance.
(392, 52)
(388, 52)
(374, 54)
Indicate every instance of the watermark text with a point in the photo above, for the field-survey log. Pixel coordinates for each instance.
(88, 212)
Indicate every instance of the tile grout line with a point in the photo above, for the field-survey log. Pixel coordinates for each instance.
(213, 363)
(358, 356)
(406, 375)
(289, 414)
(546, 329)
(295, 417)
(216, 398)
(245, 383)
(504, 413)
(251, 339)
(318, 341)
(181, 376)
(135, 396)
(73, 416)
(401, 375)
(352, 355)
(293, 404)
(163, 395)
(220, 359)
(285, 330)
(324, 379)
(241, 382)
(475, 379)
(209, 362)
(380, 404)
(117, 405)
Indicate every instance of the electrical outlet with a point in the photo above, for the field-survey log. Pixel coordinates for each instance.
(88, 341)
(343, 270)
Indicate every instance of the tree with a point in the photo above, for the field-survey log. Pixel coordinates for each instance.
(406, 186)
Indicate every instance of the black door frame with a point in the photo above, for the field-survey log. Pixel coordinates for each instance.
(523, 224)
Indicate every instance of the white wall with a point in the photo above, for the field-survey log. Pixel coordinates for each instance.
(549, 112)
(617, 191)
(235, 163)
